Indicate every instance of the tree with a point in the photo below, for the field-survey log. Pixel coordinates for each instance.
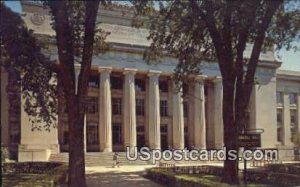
(208, 30)
(77, 39)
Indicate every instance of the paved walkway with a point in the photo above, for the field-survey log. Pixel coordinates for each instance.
(129, 176)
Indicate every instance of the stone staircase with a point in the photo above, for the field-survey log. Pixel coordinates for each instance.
(98, 159)
(105, 159)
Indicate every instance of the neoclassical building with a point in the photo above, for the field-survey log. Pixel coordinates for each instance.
(132, 103)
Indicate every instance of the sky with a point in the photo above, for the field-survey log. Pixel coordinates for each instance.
(290, 59)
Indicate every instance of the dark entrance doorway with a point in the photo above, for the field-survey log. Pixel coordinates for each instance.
(117, 137)
(140, 139)
(164, 137)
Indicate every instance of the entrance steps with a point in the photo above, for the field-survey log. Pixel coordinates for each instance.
(98, 159)
(106, 159)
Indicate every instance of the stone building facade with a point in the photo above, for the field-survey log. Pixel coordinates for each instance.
(132, 103)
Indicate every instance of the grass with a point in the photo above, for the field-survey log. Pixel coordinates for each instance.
(51, 178)
(212, 180)
(202, 180)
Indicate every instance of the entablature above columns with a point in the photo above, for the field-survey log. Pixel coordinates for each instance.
(104, 69)
(132, 71)
(154, 73)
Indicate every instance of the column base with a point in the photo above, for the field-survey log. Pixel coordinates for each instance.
(219, 146)
(36, 152)
(108, 149)
(131, 149)
(155, 147)
(199, 147)
(178, 147)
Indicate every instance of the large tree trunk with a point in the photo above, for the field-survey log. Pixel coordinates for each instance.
(76, 146)
(230, 170)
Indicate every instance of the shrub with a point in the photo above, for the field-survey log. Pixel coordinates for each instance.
(4, 153)
(296, 139)
(30, 167)
(268, 177)
(40, 172)
(284, 168)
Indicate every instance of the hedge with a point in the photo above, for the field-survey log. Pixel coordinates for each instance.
(167, 177)
(53, 173)
(275, 175)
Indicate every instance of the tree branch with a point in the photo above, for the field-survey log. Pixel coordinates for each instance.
(90, 24)
(249, 17)
(259, 40)
(210, 21)
(64, 41)
(226, 32)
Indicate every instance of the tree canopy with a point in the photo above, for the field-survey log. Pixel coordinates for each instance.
(22, 54)
(197, 31)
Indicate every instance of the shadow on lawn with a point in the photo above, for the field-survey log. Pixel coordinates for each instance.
(119, 179)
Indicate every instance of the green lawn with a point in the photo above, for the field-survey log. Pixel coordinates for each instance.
(170, 178)
(34, 174)
(212, 180)
(28, 180)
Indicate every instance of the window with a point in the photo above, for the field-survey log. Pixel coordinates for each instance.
(163, 128)
(185, 109)
(279, 132)
(92, 105)
(185, 129)
(279, 97)
(65, 108)
(92, 134)
(116, 106)
(140, 128)
(185, 89)
(14, 137)
(163, 86)
(116, 83)
(140, 107)
(293, 123)
(117, 133)
(94, 81)
(163, 108)
(66, 137)
(292, 98)
(279, 116)
(140, 85)
(293, 116)
(279, 125)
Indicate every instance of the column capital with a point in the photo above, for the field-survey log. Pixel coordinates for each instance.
(200, 77)
(129, 71)
(153, 73)
(217, 79)
(77, 67)
(104, 69)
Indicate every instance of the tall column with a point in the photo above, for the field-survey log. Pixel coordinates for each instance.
(178, 120)
(199, 114)
(218, 114)
(129, 115)
(4, 108)
(286, 120)
(105, 129)
(77, 72)
(298, 111)
(154, 110)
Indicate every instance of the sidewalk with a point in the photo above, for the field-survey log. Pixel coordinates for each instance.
(130, 176)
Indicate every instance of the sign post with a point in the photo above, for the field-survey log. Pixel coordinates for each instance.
(249, 138)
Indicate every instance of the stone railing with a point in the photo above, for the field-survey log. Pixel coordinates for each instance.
(166, 165)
